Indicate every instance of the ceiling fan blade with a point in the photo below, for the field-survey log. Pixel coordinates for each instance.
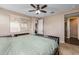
(38, 7)
(44, 6)
(32, 10)
(43, 11)
(33, 5)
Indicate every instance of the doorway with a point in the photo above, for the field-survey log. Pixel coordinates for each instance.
(71, 30)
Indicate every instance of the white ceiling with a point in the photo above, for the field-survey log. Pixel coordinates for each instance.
(23, 8)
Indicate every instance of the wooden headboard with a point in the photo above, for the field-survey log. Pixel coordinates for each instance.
(21, 34)
(15, 35)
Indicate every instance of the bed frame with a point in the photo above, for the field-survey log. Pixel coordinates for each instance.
(20, 34)
(54, 38)
(15, 35)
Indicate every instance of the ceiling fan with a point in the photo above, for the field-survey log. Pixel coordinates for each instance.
(38, 8)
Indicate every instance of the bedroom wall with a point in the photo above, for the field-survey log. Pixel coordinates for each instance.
(4, 24)
(54, 25)
(7, 16)
(32, 25)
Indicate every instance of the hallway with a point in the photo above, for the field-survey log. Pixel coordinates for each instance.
(73, 41)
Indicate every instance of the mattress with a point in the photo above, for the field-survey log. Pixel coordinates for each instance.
(27, 45)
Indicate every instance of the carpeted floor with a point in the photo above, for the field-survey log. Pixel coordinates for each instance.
(68, 49)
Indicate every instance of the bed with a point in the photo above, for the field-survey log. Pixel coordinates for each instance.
(28, 45)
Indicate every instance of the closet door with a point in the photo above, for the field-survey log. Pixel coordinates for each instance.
(4, 25)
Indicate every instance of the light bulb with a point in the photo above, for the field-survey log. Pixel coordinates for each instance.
(38, 12)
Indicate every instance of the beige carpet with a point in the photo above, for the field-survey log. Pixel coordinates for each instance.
(68, 49)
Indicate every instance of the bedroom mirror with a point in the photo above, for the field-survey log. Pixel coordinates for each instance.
(39, 26)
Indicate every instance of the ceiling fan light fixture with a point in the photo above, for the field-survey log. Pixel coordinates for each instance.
(38, 9)
(38, 12)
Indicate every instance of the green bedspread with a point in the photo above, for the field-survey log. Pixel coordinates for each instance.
(27, 45)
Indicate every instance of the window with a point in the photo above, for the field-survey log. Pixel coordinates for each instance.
(24, 26)
(14, 26)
